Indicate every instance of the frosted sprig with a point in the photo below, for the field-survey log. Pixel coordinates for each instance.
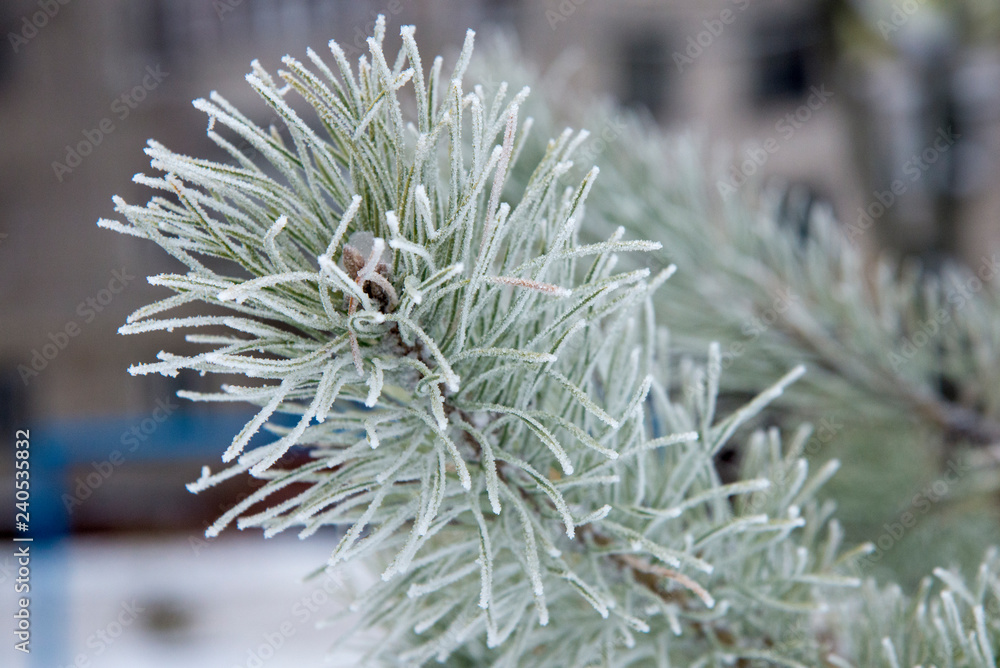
(483, 401)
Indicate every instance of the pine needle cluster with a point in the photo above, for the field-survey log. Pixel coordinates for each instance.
(485, 398)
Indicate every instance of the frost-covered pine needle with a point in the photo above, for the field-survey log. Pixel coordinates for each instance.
(478, 400)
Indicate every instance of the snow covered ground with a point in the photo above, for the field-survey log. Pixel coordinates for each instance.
(238, 601)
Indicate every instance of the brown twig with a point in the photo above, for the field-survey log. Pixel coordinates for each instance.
(661, 572)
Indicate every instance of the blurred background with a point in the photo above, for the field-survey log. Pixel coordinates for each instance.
(888, 111)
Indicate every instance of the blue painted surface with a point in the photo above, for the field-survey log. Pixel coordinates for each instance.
(57, 447)
(49, 605)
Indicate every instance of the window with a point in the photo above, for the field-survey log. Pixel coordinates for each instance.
(644, 80)
(787, 50)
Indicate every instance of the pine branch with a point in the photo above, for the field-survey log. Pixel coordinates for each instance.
(488, 409)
